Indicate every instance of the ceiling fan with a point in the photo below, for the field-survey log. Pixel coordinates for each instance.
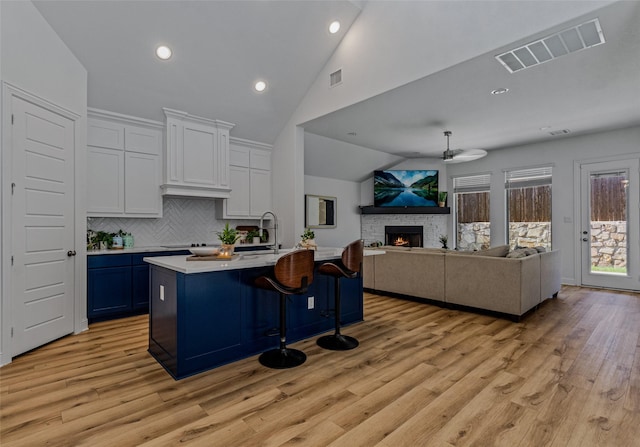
(460, 155)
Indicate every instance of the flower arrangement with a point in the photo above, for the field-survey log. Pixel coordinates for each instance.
(443, 240)
(307, 240)
(307, 234)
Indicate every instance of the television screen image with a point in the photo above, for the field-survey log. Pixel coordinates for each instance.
(405, 188)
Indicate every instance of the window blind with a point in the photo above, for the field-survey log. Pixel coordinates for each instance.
(523, 178)
(472, 183)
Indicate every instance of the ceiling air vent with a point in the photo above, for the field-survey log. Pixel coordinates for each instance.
(335, 78)
(559, 132)
(574, 39)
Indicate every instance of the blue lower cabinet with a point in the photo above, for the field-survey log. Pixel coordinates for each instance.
(109, 291)
(203, 320)
(140, 287)
(118, 284)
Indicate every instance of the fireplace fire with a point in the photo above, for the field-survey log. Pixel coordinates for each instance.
(403, 236)
(401, 242)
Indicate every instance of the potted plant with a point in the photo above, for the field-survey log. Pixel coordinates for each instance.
(307, 239)
(442, 198)
(101, 240)
(253, 236)
(443, 240)
(228, 236)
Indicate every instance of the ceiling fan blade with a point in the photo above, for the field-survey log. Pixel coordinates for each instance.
(463, 155)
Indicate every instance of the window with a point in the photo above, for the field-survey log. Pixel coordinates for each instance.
(529, 207)
(471, 195)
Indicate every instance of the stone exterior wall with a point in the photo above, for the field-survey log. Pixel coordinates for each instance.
(609, 244)
(530, 234)
(474, 236)
(477, 235)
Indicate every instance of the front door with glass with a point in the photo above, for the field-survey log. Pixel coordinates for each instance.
(609, 224)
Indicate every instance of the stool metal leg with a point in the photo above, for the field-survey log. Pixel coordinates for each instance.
(282, 357)
(337, 341)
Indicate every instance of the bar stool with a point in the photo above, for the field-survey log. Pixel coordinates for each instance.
(350, 267)
(292, 275)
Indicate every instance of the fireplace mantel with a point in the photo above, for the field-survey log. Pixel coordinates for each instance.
(405, 210)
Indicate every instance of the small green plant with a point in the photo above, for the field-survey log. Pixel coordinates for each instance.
(443, 240)
(307, 234)
(252, 233)
(442, 197)
(228, 235)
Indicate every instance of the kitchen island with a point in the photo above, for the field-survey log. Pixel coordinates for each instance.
(203, 314)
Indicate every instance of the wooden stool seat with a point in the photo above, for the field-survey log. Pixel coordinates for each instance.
(349, 267)
(292, 275)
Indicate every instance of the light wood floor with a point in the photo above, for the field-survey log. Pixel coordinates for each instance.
(568, 375)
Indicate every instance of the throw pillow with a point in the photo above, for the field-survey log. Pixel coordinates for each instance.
(519, 253)
(500, 251)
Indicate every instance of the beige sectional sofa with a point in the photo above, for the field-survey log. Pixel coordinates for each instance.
(485, 280)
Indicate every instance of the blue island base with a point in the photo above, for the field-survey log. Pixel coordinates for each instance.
(199, 321)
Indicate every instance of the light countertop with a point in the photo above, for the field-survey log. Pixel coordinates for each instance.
(157, 248)
(241, 260)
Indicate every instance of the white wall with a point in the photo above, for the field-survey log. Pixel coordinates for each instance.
(348, 214)
(391, 44)
(561, 152)
(35, 60)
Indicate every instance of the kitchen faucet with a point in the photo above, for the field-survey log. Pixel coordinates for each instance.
(275, 229)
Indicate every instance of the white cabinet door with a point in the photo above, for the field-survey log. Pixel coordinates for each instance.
(143, 175)
(239, 156)
(105, 134)
(105, 174)
(260, 192)
(238, 203)
(146, 141)
(250, 173)
(260, 160)
(124, 167)
(199, 154)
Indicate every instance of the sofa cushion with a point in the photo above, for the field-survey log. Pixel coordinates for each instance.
(500, 251)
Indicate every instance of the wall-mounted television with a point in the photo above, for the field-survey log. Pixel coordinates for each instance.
(405, 188)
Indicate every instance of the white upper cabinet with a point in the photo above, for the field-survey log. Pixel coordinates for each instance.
(250, 179)
(197, 156)
(124, 166)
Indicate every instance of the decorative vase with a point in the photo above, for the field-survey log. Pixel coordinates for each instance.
(226, 250)
(441, 204)
(309, 244)
(117, 242)
(256, 240)
(127, 240)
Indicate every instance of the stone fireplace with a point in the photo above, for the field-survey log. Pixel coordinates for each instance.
(433, 226)
(403, 235)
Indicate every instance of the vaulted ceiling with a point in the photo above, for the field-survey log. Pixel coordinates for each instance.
(222, 47)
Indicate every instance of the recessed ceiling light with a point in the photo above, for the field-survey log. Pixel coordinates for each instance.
(260, 86)
(163, 52)
(334, 27)
(499, 91)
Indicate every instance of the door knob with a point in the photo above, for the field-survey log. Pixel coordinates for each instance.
(71, 253)
(584, 239)
(585, 232)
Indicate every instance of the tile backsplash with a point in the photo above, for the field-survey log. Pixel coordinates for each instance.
(184, 221)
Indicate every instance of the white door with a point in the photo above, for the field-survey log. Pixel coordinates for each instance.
(42, 229)
(609, 224)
